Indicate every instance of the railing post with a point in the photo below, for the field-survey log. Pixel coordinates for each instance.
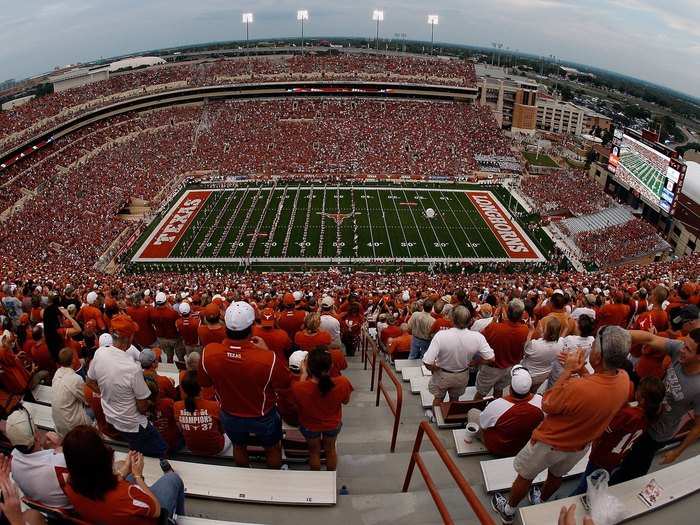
(379, 386)
(374, 364)
(412, 463)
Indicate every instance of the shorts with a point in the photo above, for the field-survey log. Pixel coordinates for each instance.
(442, 383)
(267, 428)
(490, 377)
(310, 434)
(538, 457)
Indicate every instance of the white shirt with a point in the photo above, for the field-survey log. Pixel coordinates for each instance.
(454, 348)
(540, 354)
(134, 353)
(121, 383)
(480, 324)
(331, 325)
(496, 408)
(68, 403)
(37, 476)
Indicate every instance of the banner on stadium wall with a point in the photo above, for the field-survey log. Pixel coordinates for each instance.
(509, 235)
(169, 232)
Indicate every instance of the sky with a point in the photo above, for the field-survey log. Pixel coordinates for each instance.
(654, 40)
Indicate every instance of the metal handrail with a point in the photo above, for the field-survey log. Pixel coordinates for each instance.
(394, 406)
(366, 344)
(482, 514)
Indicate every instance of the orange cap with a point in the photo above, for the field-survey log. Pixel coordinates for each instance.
(288, 299)
(124, 325)
(267, 317)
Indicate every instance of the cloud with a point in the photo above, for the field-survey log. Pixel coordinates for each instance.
(656, 41)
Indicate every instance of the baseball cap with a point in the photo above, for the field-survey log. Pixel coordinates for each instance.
(405, 296)
(288, 299)
(267, 317)
(106, 340)
(91, 297)
(211, 310)
(184, 308)
(520, 380)
(124, 325)
(327, 302)
(19, 428)
(239, 316)
(296, 359)
(687, 314)
(147, 357)
(161, 298)
(298, 296)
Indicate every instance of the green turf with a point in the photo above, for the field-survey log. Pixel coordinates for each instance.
(383, 226)
(647, 174)
(541, 160)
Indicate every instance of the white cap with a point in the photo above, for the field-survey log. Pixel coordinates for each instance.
(586, 291)
(146, 292)
(296, 359)
(520, 380)
(405, 296)
(91, 297)
(297, 296)
(558, 291)
(239, 316)
(161, 298)
(327, 301)
(19, 429)
(606, 292)
(184, 308)
(106, 340)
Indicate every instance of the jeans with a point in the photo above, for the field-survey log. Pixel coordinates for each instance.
(418, 347)
(147, 440)
(169, 490)
(638, 461)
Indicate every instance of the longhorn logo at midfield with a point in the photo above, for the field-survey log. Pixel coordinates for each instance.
(338, 217)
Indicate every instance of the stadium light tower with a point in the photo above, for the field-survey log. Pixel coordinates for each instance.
(302, 16)
(247, 19)
(378, 16)
(433, 21)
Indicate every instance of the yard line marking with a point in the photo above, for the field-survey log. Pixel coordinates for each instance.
(465, 232)
(425, 250)
(437, 238)
(406, 241)
(469, 216)
(369, 218)
(235, 245)
(273, 230)
(444, 222)
(254, 239)
(291, 222)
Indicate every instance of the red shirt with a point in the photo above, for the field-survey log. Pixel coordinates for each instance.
(126, 504)
(338, 362)
(141, 315)
(390, 331)
(286, 404)
(163, 319)
(507, 340)
(211, 333)
(207, 392)
(201, 428)
(40, 355)
(90, 313)
(516, 418)
(441, 323)
(291, 321)
(317, 412)
(166, 386)
(187, 327)
(244, 376)
(613, 314)
(610, 449)
(276, 340)
(164, 421)
(308, 342)
(14, 377)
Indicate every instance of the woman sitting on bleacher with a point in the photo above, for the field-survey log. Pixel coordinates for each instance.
(198, 420)
(101, 496)
(320, 399)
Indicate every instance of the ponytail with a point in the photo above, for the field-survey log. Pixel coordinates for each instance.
(190, 387)
(652, 393)
(319, 366)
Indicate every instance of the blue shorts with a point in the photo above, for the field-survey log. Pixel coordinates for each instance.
(310, 434)
(267, 428)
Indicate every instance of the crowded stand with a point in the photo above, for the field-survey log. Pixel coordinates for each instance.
(613, 245)
(564, 191)
(21, 123)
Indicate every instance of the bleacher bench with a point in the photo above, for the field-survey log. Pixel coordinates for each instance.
(418, 384)
(283, 487)
(463, 448)
(426, 398)
(400, 364)
(677, 481)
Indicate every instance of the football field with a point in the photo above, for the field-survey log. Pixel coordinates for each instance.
(647, 174)
(302, 224)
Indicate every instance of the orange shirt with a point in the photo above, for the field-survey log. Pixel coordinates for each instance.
(90, 313)
(15, 377)
(163, 319)
(507, 340)
(579, 409)
(201, 428)
(291, 321)
(613, 314)
(187, 327)
(39, 353)
(286, 404)
(166, 386)
(306, 341)
(276, 340)
(338, 362)
(244, 376)
(146, 334)
(211, 333)
(400, 344)
(126, 504)
(441, 323)
(390, 331)
(207, 392)
(164, 421)
(318, 412)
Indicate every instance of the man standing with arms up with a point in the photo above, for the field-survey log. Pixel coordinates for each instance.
(246, 375)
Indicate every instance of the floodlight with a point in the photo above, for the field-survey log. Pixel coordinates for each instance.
(378, 16)
(302, 15)
(247, 18)
(433, 20)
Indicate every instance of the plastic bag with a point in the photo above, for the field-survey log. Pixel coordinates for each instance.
(606, 509)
